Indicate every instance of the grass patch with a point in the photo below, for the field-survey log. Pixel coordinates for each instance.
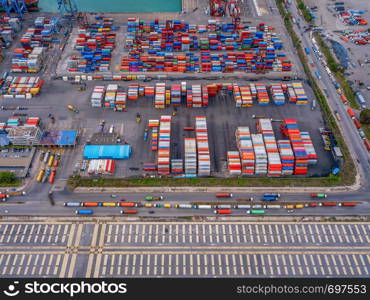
(202, 182)
(15, 183)
(366, 128)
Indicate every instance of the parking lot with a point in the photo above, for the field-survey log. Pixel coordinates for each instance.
(359, 57)
(222, 119)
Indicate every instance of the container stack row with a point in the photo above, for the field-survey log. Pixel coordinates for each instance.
(300, 93)
(264, 127)
(190, 148)
(290, 128)
(177, 166)
(277, 94)
(160, 95)
(164, 143)
(197, 95)
(260, 154)
(194, 96)
(234, 163)
(16, 121)
(246, 151)
(286, 156)
(204, 160)
(310, 149)
(133, 91)
(21, 87)
(95, 44)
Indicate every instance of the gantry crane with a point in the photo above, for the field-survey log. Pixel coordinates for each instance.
(217, 8)
(17, 6)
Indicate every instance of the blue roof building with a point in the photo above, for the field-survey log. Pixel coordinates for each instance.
(107, 152)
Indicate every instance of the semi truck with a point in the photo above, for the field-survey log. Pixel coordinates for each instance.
(256, 212)
(129, 212)
(84, 212)
(72, 204)
(224, 195)
(318, 195)
(222, 211)
(153, 198)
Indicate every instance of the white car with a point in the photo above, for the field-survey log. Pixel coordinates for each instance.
(113, 196)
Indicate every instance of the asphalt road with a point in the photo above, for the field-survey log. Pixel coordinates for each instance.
(183, 249)
(353, 140)
(33, 204)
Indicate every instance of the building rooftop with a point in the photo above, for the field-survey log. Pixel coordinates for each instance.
(23, 131)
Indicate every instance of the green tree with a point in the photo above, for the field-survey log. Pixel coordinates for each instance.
(365, 116)
(7, 177)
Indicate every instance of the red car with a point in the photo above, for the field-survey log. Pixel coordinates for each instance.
(123, 199)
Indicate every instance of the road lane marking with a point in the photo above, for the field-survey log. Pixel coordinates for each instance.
(196, 233)
(13, 264)
(205, 257)
(169, 264)
(35, 264)
(213, 264)
(20, 265)
(249, 265)
(126, 264)
(6, 263)
(291, 263)
(64, 236)
(191, 264)
(244, 234)
(133, 268)
(183, 264)
(109, 233)
(51, 256)
(234, 264)
(255, 263)
(270, 264)
(3, 233)
(10, 233)
(237, 233)
(148, 265)
(177, 264)
(66, 256)
(112, 265)
(198, 264)
(91, 256)
(42, 264)
(155, 263)
(150, 233)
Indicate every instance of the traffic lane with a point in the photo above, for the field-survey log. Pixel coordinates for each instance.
(360, 210)
(361, 152)
(185, 197)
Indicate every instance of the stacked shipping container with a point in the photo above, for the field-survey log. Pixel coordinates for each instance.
(204, 161)
(164, 145)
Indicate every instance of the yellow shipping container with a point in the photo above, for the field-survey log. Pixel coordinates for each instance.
(109, 204)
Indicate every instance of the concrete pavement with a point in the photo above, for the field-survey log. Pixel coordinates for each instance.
(51, 248)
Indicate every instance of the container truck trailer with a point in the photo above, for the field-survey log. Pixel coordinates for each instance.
(224, 195)
(84, 212)
(153, 198)
(256, 212)
(222, 211)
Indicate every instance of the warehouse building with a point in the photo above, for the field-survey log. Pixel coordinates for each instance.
(24, 135)
(107, 152)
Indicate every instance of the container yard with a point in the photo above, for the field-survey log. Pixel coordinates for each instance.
(136, 92)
